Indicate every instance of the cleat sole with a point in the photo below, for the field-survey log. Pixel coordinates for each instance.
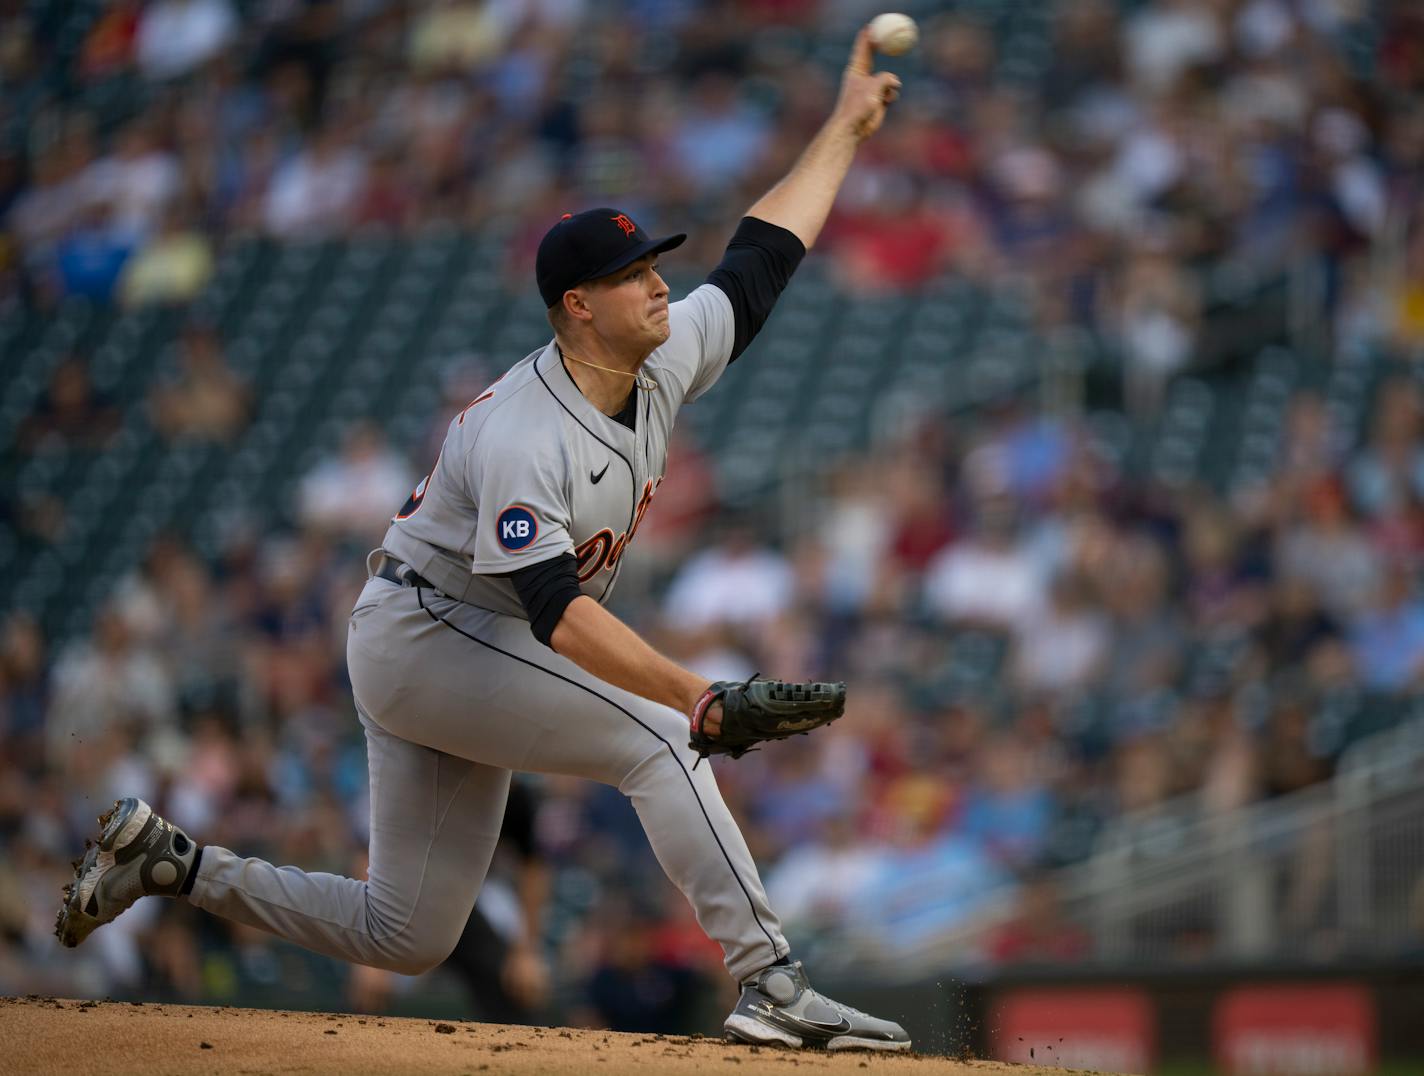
(117, 826)
(847, 1042)
(755, 1033)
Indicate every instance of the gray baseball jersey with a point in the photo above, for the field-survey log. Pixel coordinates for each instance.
(530, 469)
(455, 692)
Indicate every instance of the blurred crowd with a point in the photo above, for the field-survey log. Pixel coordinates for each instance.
(1037, 643)
(1109, 152)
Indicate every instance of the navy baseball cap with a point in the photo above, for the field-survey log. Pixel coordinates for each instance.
(594, 243)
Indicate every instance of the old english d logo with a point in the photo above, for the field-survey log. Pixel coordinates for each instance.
(623, 222)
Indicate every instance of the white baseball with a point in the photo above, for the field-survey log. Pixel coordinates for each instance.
(893, 34)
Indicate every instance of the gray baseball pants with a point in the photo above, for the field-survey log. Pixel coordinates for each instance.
(453, 698)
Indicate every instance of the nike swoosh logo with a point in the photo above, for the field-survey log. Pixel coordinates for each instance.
(596, 478)
(801, 1023)
(840, 1025)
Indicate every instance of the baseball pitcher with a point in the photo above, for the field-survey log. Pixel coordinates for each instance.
(480, 644)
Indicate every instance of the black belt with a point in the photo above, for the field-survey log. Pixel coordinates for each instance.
(389, 570)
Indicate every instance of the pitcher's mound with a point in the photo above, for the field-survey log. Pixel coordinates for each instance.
(48, 1035)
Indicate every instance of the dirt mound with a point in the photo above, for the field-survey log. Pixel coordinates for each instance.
(48, 1035)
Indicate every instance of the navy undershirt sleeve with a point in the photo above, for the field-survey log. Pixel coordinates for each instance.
(759, 261)
(545, 590)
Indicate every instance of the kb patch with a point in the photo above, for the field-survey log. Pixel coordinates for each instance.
(516, 527)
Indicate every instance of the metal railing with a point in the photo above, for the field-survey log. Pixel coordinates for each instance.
(1331, 872)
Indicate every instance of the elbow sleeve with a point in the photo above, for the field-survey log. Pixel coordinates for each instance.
(545, 590)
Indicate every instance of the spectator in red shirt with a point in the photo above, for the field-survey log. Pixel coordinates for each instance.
(1038, 932)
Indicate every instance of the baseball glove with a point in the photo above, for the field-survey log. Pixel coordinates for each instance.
(759, 710)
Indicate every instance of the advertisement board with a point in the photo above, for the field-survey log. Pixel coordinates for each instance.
(1295, 1029)
(1111, 1029)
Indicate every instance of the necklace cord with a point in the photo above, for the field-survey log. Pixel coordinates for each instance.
(642, 380)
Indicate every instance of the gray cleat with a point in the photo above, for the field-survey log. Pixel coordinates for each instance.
(778, 1006)
(138, 855)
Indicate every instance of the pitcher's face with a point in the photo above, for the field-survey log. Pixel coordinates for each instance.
(630, 307)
